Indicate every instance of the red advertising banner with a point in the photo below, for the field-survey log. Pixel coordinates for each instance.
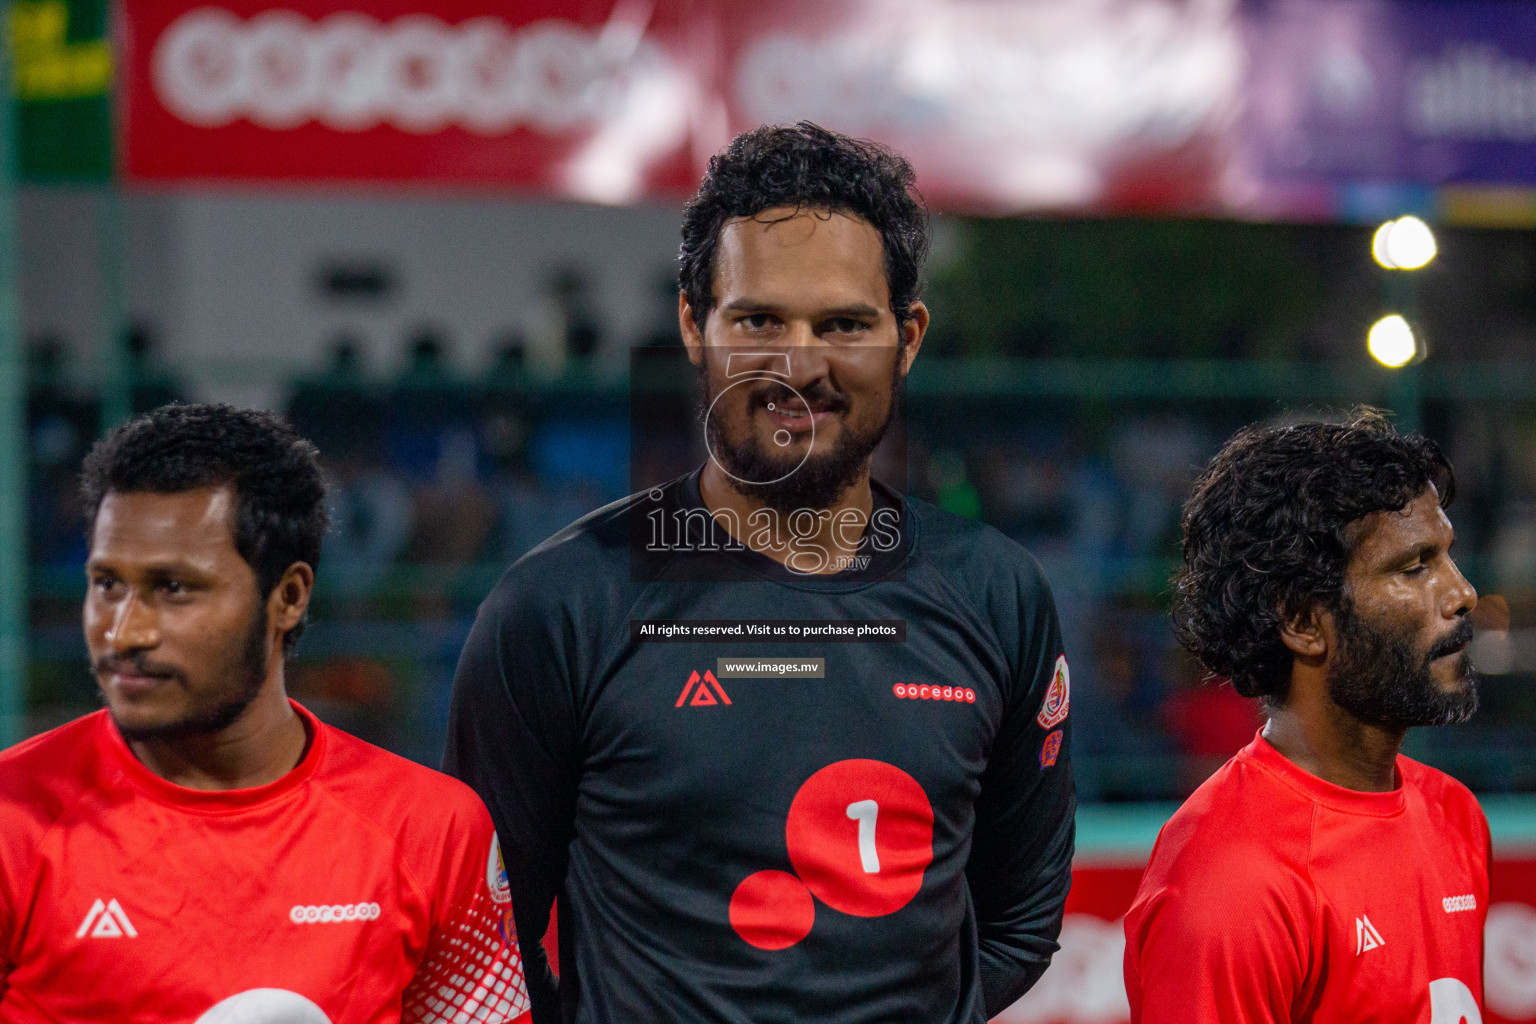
(1002, 106)
(1085, 983)
(579, 98)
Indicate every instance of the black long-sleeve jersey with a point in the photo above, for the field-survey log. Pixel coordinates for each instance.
(890, 842)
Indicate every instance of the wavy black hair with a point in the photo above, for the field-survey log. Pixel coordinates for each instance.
(280, 513)
(806, 167)
(1268, 534)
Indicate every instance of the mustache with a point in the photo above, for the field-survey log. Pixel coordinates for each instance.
(1453, 641)
(820, 396)
(136, 665)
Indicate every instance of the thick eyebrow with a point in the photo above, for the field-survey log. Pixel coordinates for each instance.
(858, 310)
(1422, 551)
(156, 572)
(747, 306)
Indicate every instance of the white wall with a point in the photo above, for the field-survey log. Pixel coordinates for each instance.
(61, 235)
(229, 281)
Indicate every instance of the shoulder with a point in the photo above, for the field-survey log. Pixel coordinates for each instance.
(398, 795)
(587, 560)
(952, 540)
(433, 826)
(42, 777)
(44, 781)
(596, 542)
(1236, 851)
(997, 582)
(1445, 799)
(1222, 923)
(975, 557)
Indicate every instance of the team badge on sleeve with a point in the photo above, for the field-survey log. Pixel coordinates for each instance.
(1058, 696)
(1050, 750)
(496, 874)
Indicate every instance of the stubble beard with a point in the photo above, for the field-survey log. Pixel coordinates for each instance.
(244, 673)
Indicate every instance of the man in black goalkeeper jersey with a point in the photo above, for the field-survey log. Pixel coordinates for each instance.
(888, 839)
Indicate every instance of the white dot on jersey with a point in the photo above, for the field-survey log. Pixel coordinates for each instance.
(265, 1006)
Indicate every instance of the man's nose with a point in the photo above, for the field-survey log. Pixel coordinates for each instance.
(1460, 596)
(134, 627)
(807, 361)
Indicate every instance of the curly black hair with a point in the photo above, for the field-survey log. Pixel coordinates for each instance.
(1267, 535)
(281, 514)
(806, 167)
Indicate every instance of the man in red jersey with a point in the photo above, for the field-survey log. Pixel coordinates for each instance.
(204, 849)
(1319, 875)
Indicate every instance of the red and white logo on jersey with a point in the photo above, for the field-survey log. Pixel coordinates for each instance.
(860, 839)
(1058, 697)
(334, 913)
(106, 921)
(1456, 904)
(1366, 935)
(706, 691)
(496, 874)
(916, 691)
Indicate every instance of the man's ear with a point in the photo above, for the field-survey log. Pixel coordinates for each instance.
(693, 338)
(912, 331)
(289, 600)
(1307, 633)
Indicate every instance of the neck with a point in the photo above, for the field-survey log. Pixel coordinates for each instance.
(1325, 740)
(837, 534)
(265, 743)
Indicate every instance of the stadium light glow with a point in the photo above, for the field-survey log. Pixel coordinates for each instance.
(1391, 342)
(1404, 244)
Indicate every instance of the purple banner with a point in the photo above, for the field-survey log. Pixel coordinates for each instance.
(1432, 94)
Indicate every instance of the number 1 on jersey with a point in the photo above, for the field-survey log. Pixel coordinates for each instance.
(865, 812)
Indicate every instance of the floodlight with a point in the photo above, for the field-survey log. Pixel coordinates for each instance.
(1403, 244)
(1391, 342)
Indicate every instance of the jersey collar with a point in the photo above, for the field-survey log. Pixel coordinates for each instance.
(1351, 801)
(217, 800)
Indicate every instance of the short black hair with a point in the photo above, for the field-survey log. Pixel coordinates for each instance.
(806, 167)
(1267, 535)
(280, 514)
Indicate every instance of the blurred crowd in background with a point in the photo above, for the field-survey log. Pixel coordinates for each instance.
(442, 476)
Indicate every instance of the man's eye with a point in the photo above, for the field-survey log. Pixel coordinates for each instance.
(172, 587)
(105, 584)
(757, 321)
(1414, 570)
(846, 325)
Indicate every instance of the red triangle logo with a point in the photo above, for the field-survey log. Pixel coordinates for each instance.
(692, 679)
(709, 677)
(706, 691)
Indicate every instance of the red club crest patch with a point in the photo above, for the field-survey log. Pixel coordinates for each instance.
(1058, 697)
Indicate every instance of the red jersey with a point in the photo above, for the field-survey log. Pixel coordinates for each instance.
(1274, 897)
(359, 887)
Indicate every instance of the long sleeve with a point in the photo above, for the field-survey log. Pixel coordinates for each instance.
(1021, 857)
(513, 737)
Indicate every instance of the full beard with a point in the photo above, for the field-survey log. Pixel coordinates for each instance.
(244, 673)
(1380, 679)
(822, 478)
